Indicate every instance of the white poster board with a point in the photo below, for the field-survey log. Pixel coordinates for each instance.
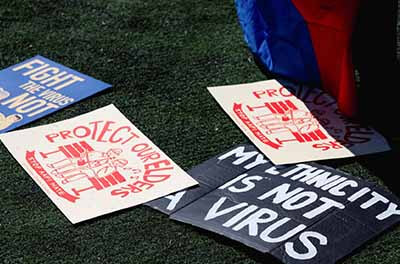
(287, 130)
(95, 164)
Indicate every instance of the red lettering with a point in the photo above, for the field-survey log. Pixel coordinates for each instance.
(112, 140)
(50, 137)
(95, 128)
(272, 92)
(141, 184)
(65, 134)
(258, 94)
(121, 192)
(329, 145)
(149, 177)
(134, 148)
(284, 92)
(86, 131)
(157, 164)
(155, 178)
(105, 134)
(132, 188)
(323, 146)
(133, 136)
(150, 156)
(104, 130)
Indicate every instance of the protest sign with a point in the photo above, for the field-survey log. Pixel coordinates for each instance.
(300, 213)
(295, 125)
(37, 87)
(95, 163)
(210, 175)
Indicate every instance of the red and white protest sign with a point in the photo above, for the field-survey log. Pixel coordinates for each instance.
(287, 130)
(95, 164)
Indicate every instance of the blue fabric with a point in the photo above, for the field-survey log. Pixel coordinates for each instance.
(278, 37)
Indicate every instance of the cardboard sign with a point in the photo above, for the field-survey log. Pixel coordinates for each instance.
(287, 130)
(210, 175)
(37, 87)
(95, 164)
(301, 213)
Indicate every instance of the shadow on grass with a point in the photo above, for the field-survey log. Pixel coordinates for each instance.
(383, 165)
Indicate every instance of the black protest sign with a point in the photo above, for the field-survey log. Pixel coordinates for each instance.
(210, 175)
(302, 213)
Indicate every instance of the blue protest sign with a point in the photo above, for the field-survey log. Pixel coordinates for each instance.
(37, 87)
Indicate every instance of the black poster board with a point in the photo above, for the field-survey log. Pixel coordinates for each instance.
(211, 174)
(300, 213)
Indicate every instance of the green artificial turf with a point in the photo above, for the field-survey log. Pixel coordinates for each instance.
(160, 56)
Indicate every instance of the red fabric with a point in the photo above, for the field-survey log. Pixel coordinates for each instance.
(331, 24)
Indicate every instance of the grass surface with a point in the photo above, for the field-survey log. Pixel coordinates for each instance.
(160, 56)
